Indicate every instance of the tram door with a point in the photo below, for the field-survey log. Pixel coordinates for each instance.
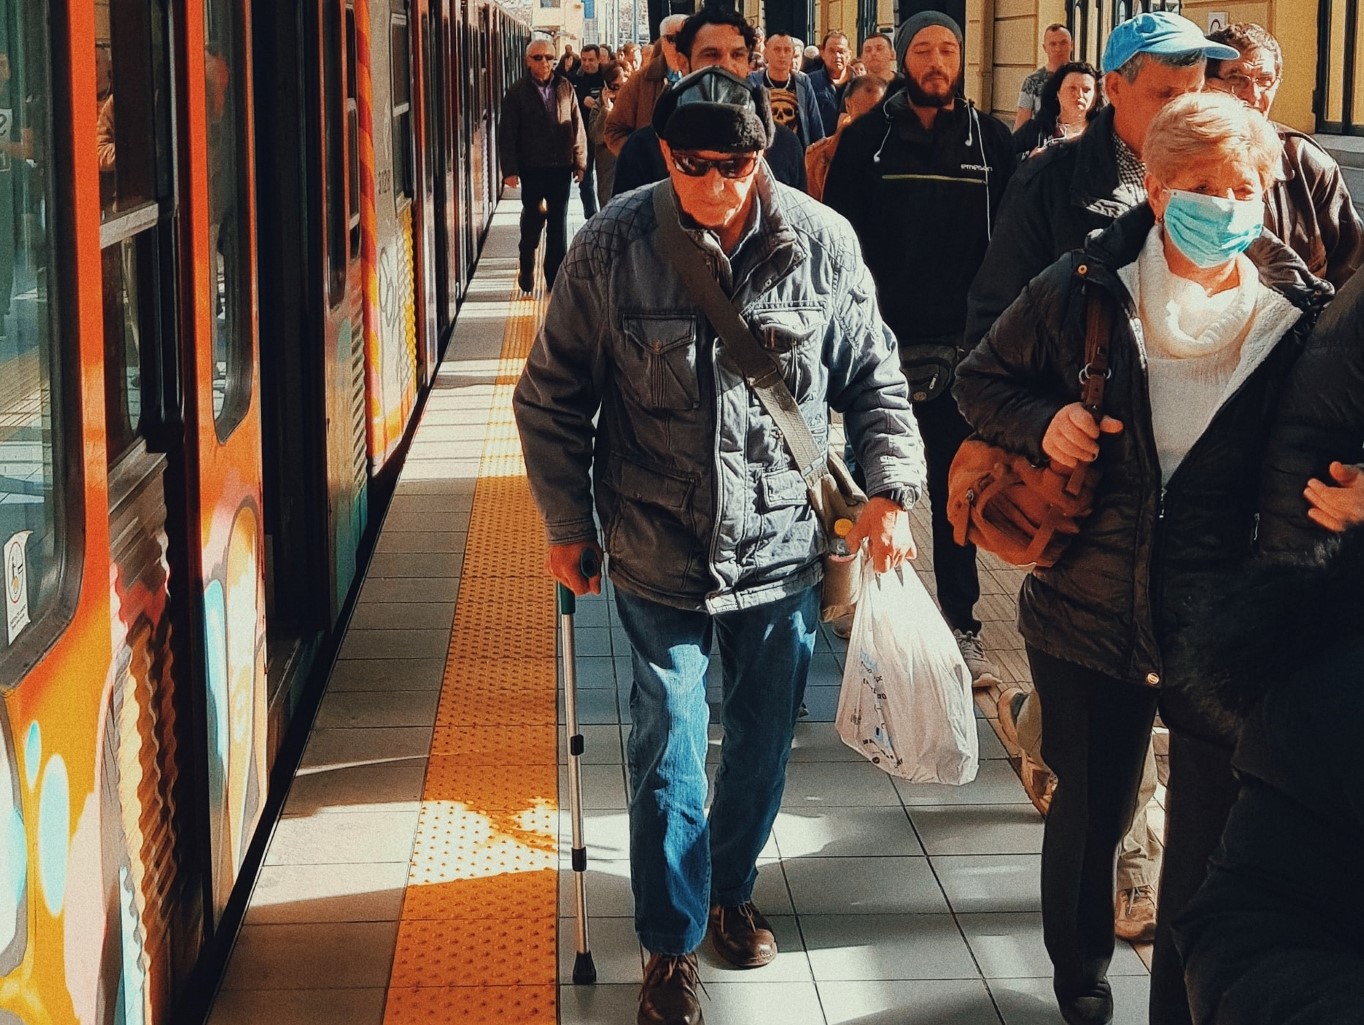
(183, 441)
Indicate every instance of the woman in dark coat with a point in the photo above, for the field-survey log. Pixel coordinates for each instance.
(1069, 101)
(1204, 331)
(1273, 936)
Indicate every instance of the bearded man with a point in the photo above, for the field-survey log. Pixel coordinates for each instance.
(921, 181)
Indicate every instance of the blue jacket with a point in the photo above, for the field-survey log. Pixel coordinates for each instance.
(812, 123)
(629, 399)
(826, 97)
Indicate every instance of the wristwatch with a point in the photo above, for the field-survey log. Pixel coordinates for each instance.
(904, 497)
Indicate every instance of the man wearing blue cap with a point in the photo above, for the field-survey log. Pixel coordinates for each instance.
(1057, 198)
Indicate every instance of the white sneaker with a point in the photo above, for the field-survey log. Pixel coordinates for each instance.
(982, 670)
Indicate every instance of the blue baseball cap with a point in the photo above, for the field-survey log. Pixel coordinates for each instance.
(1162, 33)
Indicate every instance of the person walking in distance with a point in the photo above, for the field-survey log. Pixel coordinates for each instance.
(543, 149)
(1057, 45)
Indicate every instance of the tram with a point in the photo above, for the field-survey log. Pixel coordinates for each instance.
(233, 238)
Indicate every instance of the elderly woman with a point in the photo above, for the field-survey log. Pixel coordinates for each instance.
(1207, 317)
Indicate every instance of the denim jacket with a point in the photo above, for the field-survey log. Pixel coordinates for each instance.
(629, 398)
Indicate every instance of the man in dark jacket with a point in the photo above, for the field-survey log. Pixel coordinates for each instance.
(1061, 195)
(1311, 208)
(828, 80)
(1311, 485)
(710, 37)
(921, 182)
(543, 148)
(587, 84)
(1273, 938)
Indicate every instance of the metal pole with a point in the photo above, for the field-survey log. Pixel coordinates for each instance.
(634, 14)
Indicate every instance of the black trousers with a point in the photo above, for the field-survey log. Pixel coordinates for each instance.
(1198, 799)
(1094, 738)
(587, 188)
(550, 184)
(954, 567)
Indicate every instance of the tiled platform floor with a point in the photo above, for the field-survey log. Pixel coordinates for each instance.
(893, 903)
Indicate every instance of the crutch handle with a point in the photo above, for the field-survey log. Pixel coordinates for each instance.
(589, 565)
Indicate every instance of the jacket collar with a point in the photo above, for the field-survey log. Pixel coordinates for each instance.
(905, 119)
(1094, 185)
(1280, 268)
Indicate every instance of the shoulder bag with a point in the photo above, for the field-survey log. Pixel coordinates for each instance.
(833, 492)
(1025, 514)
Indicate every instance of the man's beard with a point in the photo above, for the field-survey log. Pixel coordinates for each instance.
(919, 98)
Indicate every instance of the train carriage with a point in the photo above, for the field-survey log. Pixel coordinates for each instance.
(210, 348)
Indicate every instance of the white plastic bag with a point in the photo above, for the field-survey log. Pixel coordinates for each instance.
(906, 698)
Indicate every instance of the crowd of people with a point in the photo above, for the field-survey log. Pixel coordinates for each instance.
(931, 273)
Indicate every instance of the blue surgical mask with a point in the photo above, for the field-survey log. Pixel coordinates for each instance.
(1211, 230)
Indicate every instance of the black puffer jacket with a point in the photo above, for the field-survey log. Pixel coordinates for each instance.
(1320, 418)
(1125, 583)
(1054, 201)
(1273, 936)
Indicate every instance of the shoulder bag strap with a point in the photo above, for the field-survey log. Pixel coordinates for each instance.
(763, 375)
(1094, 373)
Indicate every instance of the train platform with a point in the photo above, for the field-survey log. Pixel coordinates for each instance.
(420, 869)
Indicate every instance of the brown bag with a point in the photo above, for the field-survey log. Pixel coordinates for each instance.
(1025, 514)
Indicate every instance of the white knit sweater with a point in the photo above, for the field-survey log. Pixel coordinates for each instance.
(1198, 348)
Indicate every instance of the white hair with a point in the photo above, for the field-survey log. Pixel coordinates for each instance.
(539, 41)
(671, 24)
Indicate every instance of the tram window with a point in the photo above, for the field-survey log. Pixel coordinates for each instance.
(402, 109)
(34, 501)
(228, 258)
(136, 184)
(335, 194)
(352, 134)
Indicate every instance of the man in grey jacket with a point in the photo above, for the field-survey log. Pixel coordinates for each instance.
(629, 398)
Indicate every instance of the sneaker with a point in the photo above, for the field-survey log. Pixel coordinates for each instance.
(669, 994)
(1038, 784)
(1009, 707)
(1134, 917)
(982, 670)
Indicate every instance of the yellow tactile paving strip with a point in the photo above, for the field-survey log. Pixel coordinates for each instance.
(477, 937)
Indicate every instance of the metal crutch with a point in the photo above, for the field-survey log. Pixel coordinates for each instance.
(584, 971)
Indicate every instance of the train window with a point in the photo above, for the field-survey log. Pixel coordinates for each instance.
(136, 189)
(228, 238)
(352, 135)
(334, 141)
(400, 65)
(34, 495)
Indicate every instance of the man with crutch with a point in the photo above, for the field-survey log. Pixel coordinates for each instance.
(629, 398)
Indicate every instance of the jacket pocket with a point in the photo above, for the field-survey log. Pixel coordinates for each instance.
(658, 365)
(791, 336)
(782, 489)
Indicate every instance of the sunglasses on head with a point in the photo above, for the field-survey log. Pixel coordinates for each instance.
(729, 167)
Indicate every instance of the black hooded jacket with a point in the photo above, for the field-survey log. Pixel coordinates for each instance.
(1320, 419)
(923, 204)
(1273, 936)
(1124, 585)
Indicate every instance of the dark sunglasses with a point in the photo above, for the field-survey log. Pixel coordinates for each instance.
(729, 167)
(541, 57)
(612, 88)
(671, 37)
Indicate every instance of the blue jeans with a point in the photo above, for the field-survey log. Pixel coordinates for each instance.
(681, 863)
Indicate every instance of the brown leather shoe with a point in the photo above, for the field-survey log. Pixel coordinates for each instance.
(668, 996)
(742, 936)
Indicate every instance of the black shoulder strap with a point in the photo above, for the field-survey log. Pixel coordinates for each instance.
(1098, 335)
(763, 375)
